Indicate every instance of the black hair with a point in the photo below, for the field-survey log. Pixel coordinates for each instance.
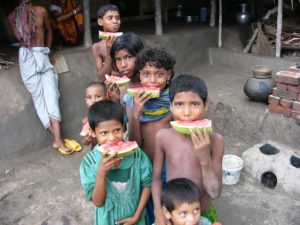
(128, 41)
(185, 83)
(103, 111)
(105, 8)
(178, 191)
(158, 58)
(97, 84)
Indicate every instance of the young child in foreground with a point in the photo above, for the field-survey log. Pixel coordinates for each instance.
(180, 203)
(118, 187)
(94, 92)
(147, 116)
(197, 157)
(109, 19)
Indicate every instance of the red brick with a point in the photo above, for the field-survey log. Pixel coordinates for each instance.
(295, 113)
(294, 69)
(279, 109)
(288, 77)
(284, 94)
(296, 105)
(286, 103)
(293, 88)
(282, 86)
(274, 100)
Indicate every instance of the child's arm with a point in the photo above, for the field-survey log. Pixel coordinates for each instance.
(99, 191)
(210, 149)
(103, 64)
(134, 127)
(142, 204)
(156, 185)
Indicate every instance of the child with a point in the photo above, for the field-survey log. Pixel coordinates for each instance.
(109, 19)
(119, 188)
(180, 203)
(198, 156)
(94, 92)
(124, 53)
(146, 116)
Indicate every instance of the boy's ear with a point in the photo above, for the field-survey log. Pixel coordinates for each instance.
(100, 22)
(166, 213)
(206, 105)
(169, 75)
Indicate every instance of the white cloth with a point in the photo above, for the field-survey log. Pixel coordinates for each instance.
(53, 8)
(41, 80)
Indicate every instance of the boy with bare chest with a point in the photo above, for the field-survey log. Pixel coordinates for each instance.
(197, 157)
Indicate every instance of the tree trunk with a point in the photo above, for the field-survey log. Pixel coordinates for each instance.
(220, 24)
(279, 29)
(212, 20)
(158, 22)
(87, 24)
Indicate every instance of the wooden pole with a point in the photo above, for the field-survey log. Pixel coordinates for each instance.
(158, 18)
(87, 24)
(279, 29)
(220, 24)
(212, 18)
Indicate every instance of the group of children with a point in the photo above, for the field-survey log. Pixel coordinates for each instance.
(181, 173)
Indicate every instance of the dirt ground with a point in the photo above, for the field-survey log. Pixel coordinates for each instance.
(43, 183)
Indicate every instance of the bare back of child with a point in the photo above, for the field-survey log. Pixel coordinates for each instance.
(109, 19)
(198, 156)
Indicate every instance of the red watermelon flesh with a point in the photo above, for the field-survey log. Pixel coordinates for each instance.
(122, 148)
(185, 127)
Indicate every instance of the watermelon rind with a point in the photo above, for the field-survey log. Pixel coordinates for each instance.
(121, 154)
(105, 35)
(120, 83)
(187, 128)
(153, 93)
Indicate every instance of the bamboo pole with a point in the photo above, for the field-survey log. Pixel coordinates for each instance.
(220, 24)
(279, 29)
(212, 18)
(87, 24)
(158, 18)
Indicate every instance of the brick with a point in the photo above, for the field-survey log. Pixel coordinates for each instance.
(295, 113)
(274, 100)
(296, 105)
(282, 86)
(288, 77)
(279, 109)
(293, 88)
(286, 103)
(294, 69)
(284, 94)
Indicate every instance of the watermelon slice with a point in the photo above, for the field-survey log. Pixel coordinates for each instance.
(105, 35)
(153, 91)
(85, 129)
(122, 148)
(120, 81)
(185, 127)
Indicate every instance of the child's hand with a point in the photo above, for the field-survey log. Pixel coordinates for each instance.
(114, 90)
(201, 142)
(108, 162)
(88, 138)
(139, 100)
(128, 221)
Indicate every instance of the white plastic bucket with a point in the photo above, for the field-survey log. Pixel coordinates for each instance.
(232, 166)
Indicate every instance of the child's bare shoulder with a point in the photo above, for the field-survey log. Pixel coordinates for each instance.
(99, 47)
(165, 134)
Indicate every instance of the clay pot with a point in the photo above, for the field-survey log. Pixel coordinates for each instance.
(260, 85)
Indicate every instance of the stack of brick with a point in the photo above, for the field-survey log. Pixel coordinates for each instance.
(285, 98)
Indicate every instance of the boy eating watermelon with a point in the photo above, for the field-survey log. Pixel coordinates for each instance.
(196, 156)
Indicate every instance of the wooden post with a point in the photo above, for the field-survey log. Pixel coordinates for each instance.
(279, 29)
(220, 24)
(212, 19)
(158, 22)
(87, 24)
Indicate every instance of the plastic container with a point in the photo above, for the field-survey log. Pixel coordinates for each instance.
(232, 166)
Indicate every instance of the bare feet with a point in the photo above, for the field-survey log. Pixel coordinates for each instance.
(62, 148)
